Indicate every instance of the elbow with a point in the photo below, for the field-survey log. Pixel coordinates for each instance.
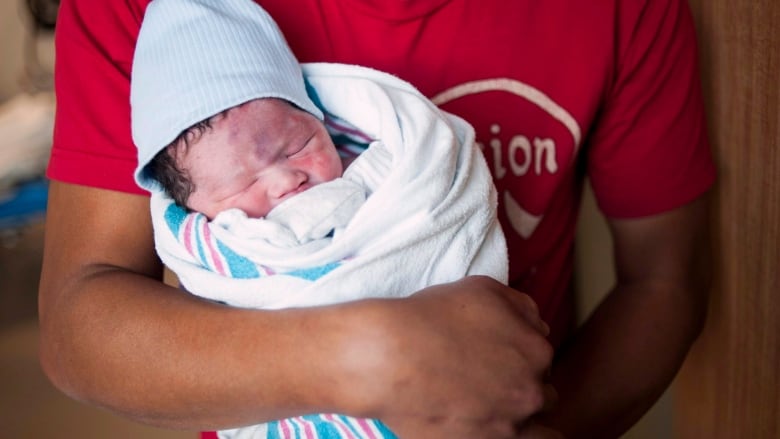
(53, 360)
(56, 348)
(50, 366)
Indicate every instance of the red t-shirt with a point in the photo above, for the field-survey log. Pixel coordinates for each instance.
(555, 89)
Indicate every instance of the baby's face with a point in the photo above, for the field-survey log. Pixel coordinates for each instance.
(256, 156)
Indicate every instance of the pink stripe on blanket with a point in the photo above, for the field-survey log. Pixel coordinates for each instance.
(215, 255)
(187, 238)
(346, 129)
(344, 429)
(308, 431)
(366, 428)
(284, 424)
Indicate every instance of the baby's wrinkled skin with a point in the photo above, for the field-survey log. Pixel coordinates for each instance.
(256, 156)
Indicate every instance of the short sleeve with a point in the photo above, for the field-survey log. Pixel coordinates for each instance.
(649, 151)
(94, 44)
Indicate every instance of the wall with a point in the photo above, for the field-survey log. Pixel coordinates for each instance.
(15, 37)
(11, 31)
(729, 387)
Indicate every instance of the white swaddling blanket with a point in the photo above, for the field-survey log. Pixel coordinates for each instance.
(418, 208)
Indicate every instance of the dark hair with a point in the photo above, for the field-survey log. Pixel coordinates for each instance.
(164, 168)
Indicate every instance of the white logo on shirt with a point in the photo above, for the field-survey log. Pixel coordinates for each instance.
(523, 153)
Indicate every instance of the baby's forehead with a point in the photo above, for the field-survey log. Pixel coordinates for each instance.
(193, 133)
(261, 122)
(227, 111)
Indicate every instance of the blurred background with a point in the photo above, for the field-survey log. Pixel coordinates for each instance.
(29, 406)
(729, 386)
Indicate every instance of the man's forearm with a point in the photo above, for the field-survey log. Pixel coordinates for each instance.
(623, 359)
(160, 356)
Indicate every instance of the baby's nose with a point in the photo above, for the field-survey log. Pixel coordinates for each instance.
(286, 181)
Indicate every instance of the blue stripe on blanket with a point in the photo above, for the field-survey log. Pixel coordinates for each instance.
(315, 98)
(319, 426)
(314, 273)
(174, 216)
(324, 429)
(240, 267)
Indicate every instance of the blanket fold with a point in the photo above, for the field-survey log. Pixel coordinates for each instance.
(417, 208)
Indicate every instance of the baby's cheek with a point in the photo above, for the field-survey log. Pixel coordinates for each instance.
(323, 167)
(335, 166)
(256, 211)
(255, 204)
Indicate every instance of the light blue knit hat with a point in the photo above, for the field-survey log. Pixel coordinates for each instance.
(197, 58)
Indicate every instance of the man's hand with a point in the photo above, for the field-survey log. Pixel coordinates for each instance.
(466, 359)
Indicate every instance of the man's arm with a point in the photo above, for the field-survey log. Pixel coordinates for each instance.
(449, 361)
(630, 349)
